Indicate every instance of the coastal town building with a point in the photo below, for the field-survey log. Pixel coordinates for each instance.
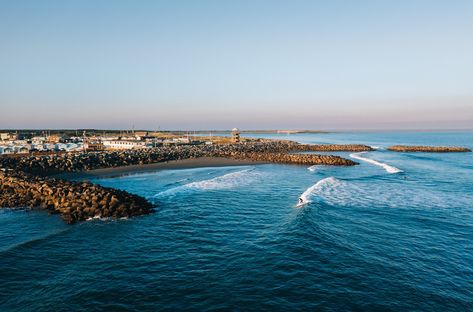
(39, 140)
(54, 138)
(45, 142)
(22, 150)
(7, 136)
(23, 147)
(123, 144)
(7, 150)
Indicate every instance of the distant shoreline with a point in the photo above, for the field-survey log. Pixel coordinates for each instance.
(189, 163)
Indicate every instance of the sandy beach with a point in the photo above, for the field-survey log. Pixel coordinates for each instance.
(200, 162)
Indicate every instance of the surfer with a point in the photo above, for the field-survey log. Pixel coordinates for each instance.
(300, 200)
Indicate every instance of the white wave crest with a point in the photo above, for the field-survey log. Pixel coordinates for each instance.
(317, 188)
(226, 181)
(388, 168)
(370, 194)
(312, 168)
(100, 218)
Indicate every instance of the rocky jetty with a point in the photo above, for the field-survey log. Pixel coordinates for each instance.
(334, 147)
(274, 151)
(74, 201)
(299, 159)
(428, 149)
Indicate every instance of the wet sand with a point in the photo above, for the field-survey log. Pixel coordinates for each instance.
(174, 164)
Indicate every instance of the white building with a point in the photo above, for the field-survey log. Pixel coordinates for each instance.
(124, 144)
(21, 149)
(48, 147)
(60, 147)
(8, 150)
(37, 147)
(38, 140)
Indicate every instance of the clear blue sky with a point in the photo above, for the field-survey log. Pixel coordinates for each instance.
(251, 64)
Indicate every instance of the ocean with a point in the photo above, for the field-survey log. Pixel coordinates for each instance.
(392, 234)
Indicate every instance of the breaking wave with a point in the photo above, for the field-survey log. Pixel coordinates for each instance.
(368, 194)
(388, 168)
(226, 181)
(319, 187)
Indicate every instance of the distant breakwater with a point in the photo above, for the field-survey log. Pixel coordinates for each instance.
(25, 181)
(428, 149)
(334, 147)
(74, 201)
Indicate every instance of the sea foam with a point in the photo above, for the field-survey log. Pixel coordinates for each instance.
(317, 188)
(226, 181)
(388, 168)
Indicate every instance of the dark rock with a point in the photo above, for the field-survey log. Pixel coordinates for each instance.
(19, 189)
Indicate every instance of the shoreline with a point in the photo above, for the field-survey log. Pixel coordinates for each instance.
(189, 163)
(62, 183)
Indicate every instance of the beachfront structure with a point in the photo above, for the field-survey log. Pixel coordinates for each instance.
(236, 135)
(37, 147)
(7, 150)
(38, 140)
(7, 136)
(124, 144)
(54, 138)
(22, 150)
(20, 147)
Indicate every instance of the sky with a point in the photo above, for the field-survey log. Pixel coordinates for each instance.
(321, 65)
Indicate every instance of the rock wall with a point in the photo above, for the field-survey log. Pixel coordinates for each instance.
(72, 200)
(334, 147)
(429, 149)
(299, 159)
(74, 162)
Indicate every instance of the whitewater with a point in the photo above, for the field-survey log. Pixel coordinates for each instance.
(321, 185)
(225, 181)
(388, 168)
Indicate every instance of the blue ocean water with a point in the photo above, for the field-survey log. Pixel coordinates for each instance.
(394, 233)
